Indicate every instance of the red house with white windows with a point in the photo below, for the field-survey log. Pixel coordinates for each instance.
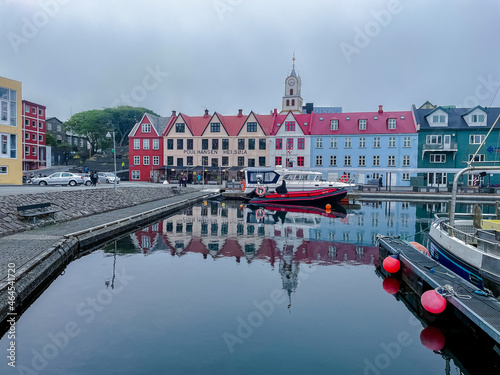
(146, 148)
(34, 127)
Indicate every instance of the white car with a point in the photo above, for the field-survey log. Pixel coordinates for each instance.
(108, 177)
(59, 178)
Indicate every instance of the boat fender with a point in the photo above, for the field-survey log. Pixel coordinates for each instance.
(261, 190)
(243, 185)
(344, 178)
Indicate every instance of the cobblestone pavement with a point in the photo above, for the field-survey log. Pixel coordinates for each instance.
(23, 247)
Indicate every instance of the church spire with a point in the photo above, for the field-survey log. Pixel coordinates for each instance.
(293, 74)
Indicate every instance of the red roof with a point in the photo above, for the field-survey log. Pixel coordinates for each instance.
(321, 123)
(300, 119)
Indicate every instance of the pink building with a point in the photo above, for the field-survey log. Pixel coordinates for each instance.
(34, 127)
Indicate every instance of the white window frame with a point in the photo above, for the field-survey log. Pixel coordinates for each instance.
(362, 142)
(362, 124)
(391, 160)
(476, 139)
(333, 142)
(361, 161)
(406, 177)
(437, 158)
(376, 161)
(391, 124)
(319, 142)
(137, 160)
(156, 160)
(145, 160)
(407, 142)
(434, 139)
(478, 158)
(334, 124)
(156, 144)
(146, 128)
(145, 144)
(333, 160)
(376, 142)
(406, 160)
(347, 142)
(319, 160)
(137, 144)
(136, 175)
(392, 142)
(347, 160)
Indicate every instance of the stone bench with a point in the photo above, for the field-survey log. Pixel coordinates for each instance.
(35, 210)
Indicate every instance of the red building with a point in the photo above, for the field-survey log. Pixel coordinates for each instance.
(146, 148)
(34, 127)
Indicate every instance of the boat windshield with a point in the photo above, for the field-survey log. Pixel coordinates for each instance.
(256, 177)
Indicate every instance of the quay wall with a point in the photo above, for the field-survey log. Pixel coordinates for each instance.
(75, 204)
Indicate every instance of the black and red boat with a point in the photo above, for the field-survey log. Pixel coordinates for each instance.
(310, 197)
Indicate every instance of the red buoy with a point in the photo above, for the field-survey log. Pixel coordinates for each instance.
(391, 285)
(391, 264)
(432, 338)
(433, 302)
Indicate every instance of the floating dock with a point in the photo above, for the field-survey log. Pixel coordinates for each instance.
(426, 273)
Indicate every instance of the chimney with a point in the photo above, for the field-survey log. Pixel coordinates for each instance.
(206, 113)
(380, 110)
(275, 111)
(240, 112)
(173, 113)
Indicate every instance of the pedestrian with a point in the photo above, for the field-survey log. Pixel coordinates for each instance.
(86, 169)
(380, 182)
(93, 178)
(123, 165)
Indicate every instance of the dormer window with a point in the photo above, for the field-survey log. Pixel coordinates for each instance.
(146, 128)
(362, 124)
(438, 119)
(334, 124)
(391, 123)
(477, 118)
(180, 128)
(215, 127)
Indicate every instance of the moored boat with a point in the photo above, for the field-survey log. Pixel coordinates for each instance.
(316, 197)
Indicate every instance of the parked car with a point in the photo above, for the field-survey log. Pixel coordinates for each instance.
(86, 179)
(59, 178)
(108, 177)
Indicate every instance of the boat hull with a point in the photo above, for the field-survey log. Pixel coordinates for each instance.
(312, 197)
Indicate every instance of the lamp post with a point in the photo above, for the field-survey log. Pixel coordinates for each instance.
(203, 172)
(108, 135)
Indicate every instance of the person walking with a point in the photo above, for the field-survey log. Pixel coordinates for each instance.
(93, 178)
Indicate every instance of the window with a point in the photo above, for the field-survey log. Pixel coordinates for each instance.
(434, 139)
(334, 124)
(361, 161)
(33, 123)
(391, 161)
(49, 126)
(204, 160)
(27, 122)
(406, 177)
(406, 160)
(301, 143)
(251, 127)
(438, 158)
(180, 144)
(170, 144)
(40, 138)
(215, 144)
(189, 144)
(438, 118)
(8, 107)
(406, 142)
(241, 144)
(347, 160)
(376, 161)
(58, 127)
(215, 127)
(251, 162)
(333, 142)
(156, 160)
(189, 160)
(215, 162)
(279, 144)
(262, 144)
(391, 123)
(392, 142)
(362, 142)
(333, 160)
(290, 126)
(319, 160)
(33, 136)
(33, 151)
(376, 142)
(145, 160)
(204, 144)
(362, 124)
(40, 125)
(241, 161)
(33, 110)
(27, 136)
(225, 161)
(146, 128)
(347, 142)
(4, 169)
(289, 143)
(225, 144)
(300, 161)
(145, 144)
(251, 144)
(477, 118)
(278, 160)
(27, 150)
(478, 157)
(136, 175)
(137, 160)
(40, 112)
(476, 139)
(156, 144)
(180, 127)
(319, 143)
(170, 160)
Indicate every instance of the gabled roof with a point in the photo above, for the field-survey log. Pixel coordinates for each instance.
(473, 109)
(374, 126)
(157, 123)
(300, 119)
(455, 117)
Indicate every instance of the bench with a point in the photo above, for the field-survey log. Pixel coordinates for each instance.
(369, 187)
(428, 189)
(35, 210)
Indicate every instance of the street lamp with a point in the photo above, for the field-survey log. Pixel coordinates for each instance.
(108, 135)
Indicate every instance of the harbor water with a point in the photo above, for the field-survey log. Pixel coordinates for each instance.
(222, 288)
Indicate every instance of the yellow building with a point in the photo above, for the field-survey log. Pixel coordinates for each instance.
(11, 131)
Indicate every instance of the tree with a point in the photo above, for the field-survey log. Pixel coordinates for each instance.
(50, 140)
(123, 119)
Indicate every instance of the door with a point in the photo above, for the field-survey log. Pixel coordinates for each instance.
(437, 179)
(446, 142)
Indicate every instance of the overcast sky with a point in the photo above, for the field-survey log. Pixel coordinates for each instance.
(188, 55)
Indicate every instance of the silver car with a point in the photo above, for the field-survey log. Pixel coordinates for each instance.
(108, 177)
(59, 178)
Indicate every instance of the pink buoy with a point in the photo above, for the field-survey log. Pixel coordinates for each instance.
(432, 338)
(433, 302)
(420, 248)
(391, 265)
(391, 285)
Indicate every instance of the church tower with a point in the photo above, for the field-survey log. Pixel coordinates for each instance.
(292, 100)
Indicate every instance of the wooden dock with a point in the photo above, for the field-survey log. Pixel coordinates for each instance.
(483, 311)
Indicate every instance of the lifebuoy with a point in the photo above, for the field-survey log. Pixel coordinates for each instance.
(344, 178)
(261, 190)
(260, 213)
(243, 185)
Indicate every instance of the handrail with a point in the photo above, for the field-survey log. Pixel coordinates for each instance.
(453, 231)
